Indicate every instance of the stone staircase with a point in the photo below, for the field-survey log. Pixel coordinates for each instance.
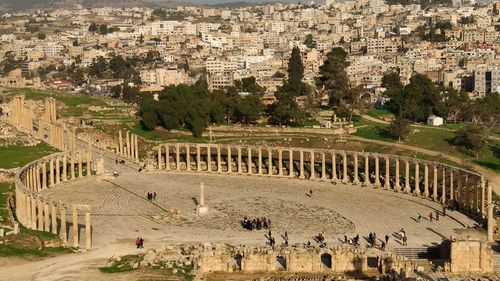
(429, 253)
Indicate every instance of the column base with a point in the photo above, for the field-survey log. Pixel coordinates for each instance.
(356, 182)
(201, 210)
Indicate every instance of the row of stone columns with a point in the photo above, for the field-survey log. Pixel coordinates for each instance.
(128, 147)
(56, 136)
(50, 113)
(55, 169)
(437, 182)
(37, 214)
(20, 114)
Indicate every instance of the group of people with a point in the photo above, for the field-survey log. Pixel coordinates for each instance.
(403, 237)
(139, 243)
(431, 216)
(352, 241)
(256, 224)
(151, 196)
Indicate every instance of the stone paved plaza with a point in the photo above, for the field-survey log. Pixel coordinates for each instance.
(121, 212)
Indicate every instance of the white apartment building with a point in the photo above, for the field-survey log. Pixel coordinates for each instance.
(486, 79)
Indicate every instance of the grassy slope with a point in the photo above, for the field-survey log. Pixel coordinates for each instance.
(436, 139)
(18, 156)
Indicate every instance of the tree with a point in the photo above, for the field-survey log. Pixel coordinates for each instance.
(309, 42)
(417, 100)
(472, 137)
(287, 111)
(399, 128)
(77, 77)
(455, 103)
(103, 29)
(98, 67)
(249, 109)
(334, 81)
(41, 36)
(93, 27)
(116, 91)
(130, 94)
(295, 66)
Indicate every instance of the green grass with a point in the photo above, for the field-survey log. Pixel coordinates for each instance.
(124, 265)
(13, 251)
(372, 130)
(381, 114)
(69, 100)
(6, 189)
(18, 156)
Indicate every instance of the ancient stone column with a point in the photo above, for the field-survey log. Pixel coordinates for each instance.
(120, 142)
(219, 160)
(80, 165)
(88, 232)
(280, 162)
(435, 185)
(291, 168)
(159, 158)
(64, 167)
(39, 206)
(417, 179)
(229, 160)
(397, 186)
(367, 170)
(177, 157)
(54, 218)
(259, 161)
(63, 233)
(239, 160)
(334, 167)
(34, 218)
(127, 138)
(29, 215)
(443, 187)
(452, 187)
(312, 165)
(407, 177)
(136, 148)
(188, 157)
(301, 164)
(58, 170)
(387, 182)
(483, 203)
(72, 166)
(426, 181)
(198, 158)
(46, 217)
(209, 159)
(491, 220)
(202, 194)
(51, 173)
(249, 160)
(345, 178)
(37, 177)
(323, 166)
(167, 157)
(44, 175)
(270, 162)
(377, 172)
(76, 243)
(356, 178)
(460, 188)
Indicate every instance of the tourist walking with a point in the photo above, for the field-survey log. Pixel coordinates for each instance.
(154, 196)
(430, 216)
(386, 239)
(437, 215)
(419, 217)
(141, 242)
(138, 243)
(310, 192)
(444, 210)
(286, 236)
(405, 241)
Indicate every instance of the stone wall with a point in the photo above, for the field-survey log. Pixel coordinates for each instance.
(471, 256)
(223, 258)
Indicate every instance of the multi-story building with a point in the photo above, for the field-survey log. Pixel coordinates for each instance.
(486, 79)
